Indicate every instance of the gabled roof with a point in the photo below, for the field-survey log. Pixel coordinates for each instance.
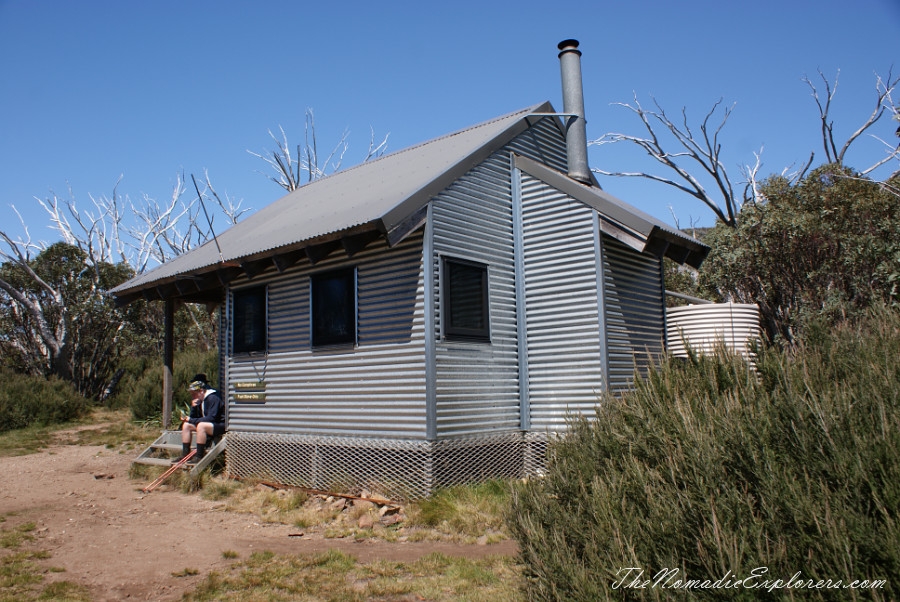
(351, 208)
(379, 197)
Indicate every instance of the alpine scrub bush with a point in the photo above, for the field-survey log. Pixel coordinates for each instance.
(712, 470)
(37, 401)
(827, 246)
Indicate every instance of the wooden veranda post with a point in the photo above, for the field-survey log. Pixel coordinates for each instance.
(168, 363)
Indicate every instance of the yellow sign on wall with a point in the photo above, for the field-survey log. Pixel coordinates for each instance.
(250, 391)
(250, 385)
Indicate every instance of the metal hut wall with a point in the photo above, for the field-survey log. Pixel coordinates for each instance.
(407, 408)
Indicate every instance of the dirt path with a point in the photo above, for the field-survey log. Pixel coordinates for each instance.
(124, 544)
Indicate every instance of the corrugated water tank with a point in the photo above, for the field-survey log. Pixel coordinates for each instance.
(702, 327)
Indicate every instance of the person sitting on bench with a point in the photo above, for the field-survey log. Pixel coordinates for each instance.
(207, 418)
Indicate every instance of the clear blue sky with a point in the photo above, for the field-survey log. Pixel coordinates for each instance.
(92, 90)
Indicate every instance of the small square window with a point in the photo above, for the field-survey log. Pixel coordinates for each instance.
(333, 313)
(248, 317)
(466, 315)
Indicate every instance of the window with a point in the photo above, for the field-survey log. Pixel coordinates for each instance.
(333, 313)
(248, 317)
(466, 301)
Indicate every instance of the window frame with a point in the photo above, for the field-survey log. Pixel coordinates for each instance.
(352, 338)
(237, 297)
(452, 332)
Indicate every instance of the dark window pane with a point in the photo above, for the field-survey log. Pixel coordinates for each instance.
(334, 307)
(466, 300)
(249, 320)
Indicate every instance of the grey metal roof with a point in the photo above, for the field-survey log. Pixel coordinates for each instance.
(377, 195)
(383, 197)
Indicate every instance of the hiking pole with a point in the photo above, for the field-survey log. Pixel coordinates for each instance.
(166, 474)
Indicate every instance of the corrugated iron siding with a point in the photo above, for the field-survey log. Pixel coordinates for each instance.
(375, 389)
(565, 362)
(476, 383)
(477, 388)
(635, 311)
(544, 143)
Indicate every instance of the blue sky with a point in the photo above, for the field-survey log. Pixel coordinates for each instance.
(93, 90)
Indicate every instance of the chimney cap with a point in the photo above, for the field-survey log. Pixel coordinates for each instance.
(569, 45)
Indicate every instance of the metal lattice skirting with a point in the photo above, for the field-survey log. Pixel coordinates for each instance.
(395, 468)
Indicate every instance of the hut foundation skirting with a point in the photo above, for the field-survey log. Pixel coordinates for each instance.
(399, 469)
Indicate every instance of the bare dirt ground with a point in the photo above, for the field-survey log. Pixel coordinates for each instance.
(124, 544)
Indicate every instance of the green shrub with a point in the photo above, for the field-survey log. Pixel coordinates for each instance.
(713, 470)
(36, 401)
(142, 384)
(826, 247)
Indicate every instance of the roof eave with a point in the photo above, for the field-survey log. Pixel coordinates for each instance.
(208, 282)
(646, 233)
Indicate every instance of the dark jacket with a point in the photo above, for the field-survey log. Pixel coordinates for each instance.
(211, 409)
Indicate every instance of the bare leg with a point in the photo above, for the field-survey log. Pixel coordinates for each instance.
(204, 432)
(186, 429)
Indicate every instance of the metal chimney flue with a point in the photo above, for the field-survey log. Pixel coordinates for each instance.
(573, 106)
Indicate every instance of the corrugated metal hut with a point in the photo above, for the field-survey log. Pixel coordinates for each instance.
(431, 317)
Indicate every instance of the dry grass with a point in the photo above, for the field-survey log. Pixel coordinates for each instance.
(336, 576)
(459, 515)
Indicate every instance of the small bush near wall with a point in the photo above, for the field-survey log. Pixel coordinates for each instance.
(712, 472)
(36, 401)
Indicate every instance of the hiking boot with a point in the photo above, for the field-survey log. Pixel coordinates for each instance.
(185, 450)
(201, 451)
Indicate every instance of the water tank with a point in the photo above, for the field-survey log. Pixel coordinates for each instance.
(702, 327)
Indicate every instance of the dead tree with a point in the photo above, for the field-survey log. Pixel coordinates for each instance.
(835, 153)
(294, 167)
(697, 157)
(113, 238)
(694, 155)
(41, 321)
(40, 337)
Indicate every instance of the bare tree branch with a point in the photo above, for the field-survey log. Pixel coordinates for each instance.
(375, 149)
(704, 153)
(883, 102)
(698, 156)
(282, 162)
(231, 210)
(331, 164)
(51, 332)
(25, 244)
(162, 231)
(751, 177)
(292, 166)
(18, 256)
(826, 126)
